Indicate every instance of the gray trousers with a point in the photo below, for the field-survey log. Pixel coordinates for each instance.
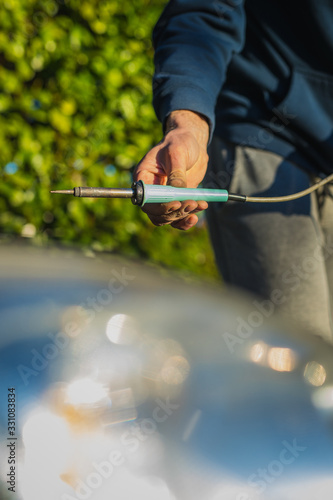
(282, 252)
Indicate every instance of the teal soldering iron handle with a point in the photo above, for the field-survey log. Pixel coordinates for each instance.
(155, 193)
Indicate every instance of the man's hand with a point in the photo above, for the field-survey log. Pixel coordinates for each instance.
(179, 160)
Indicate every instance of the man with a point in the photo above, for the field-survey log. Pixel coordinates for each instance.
(254, 80)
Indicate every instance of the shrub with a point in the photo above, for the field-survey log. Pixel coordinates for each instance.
(75, 109)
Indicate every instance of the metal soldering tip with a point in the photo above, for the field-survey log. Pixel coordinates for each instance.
(63, 191)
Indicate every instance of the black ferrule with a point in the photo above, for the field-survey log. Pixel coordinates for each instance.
(137, 198)
(236, 197)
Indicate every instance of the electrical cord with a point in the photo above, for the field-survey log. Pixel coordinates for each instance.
(295, 196)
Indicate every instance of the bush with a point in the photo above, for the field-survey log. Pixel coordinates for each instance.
(75, 109)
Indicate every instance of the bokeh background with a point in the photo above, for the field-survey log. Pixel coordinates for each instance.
(75, 109)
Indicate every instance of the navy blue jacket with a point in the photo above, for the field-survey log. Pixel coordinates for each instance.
(261, 71)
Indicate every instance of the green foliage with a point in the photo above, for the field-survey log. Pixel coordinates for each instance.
(75, 109)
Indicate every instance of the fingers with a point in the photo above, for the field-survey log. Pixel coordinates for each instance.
(178, 215)
(186, 223)
(169, 211)
(161, 209)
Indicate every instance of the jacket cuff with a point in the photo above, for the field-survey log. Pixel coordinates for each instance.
(187, 97)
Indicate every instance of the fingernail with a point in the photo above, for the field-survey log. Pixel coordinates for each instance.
(173, 209)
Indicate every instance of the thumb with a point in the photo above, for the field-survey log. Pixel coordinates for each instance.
(177, 178)
(174, 161)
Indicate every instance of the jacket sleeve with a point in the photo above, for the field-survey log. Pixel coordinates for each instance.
(194, 41)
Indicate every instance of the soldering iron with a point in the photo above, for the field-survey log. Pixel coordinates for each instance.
(141, 193)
